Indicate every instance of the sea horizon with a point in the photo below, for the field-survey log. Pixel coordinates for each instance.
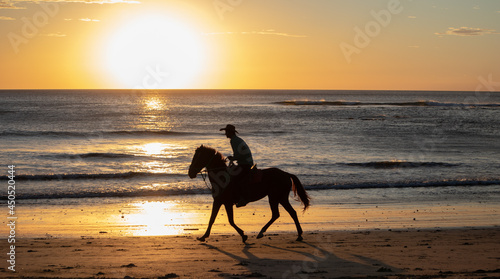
(236, 90)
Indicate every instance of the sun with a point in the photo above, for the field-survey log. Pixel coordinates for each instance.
(153, 51)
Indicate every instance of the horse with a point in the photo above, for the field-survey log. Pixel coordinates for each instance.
(275, 183)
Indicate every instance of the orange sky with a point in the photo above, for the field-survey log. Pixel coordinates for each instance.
(249, 44)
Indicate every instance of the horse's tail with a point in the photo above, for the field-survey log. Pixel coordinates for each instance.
(299, 189)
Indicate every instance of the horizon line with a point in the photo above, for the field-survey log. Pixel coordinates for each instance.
(239, 89)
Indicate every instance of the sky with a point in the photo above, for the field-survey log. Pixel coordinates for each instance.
(250, 44)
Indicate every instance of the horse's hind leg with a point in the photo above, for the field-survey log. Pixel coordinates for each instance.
(276, 214)
(230, 216)
(286, 204)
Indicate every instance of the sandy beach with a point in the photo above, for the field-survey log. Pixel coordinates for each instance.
(449, 253)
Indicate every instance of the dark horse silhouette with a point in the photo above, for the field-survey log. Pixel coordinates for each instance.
(275, 183)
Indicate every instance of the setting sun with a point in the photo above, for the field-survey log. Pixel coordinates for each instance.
(153, 51)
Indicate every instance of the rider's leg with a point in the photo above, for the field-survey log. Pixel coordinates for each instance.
(242, 184)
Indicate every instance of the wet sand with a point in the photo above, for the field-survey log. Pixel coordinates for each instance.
(448, 253)
(188, 215)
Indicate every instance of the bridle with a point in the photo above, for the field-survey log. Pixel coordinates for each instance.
(204, 171)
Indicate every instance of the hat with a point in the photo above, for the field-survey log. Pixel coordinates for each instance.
(229, 128)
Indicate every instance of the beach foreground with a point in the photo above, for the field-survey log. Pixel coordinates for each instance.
(443, 253)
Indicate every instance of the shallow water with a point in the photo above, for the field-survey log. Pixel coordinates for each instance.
(104, 143)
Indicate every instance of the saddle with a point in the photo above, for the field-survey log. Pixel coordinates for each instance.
(255, 175)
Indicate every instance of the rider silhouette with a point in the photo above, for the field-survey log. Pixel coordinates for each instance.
(243, 156)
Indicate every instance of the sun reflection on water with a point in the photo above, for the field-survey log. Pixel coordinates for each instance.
(154, 103)
(158, 149)
(153, 113)
(160, 167)
(153, 148)
(157, 157)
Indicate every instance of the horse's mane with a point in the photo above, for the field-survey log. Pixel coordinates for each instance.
(210, 150)
(207, 149)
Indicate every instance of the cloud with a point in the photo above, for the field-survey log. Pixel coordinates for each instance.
(271, 32)
(467, 31)
(57, 35)
(89, 20)
(100, 1)
(6, 4)
(6, 18)
(83, 19)
(10, 4)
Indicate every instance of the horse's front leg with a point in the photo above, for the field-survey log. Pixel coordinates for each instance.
(230, 216)
(215, 210)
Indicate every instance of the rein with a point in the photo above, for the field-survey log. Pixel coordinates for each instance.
(204, 172)
(204, 175)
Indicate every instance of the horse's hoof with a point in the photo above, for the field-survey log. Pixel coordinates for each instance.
(299, 238)
(202, 239)
(261, 235)
(244, 238)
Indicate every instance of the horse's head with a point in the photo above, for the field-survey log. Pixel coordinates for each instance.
(203, 156)
(196, 164)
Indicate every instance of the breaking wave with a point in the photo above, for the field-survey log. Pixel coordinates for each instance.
(95, 134)
(426, 103)
(399, 164)
(197, 189)
(409, 184)
(114, 194)
(84, 176)
(90, 156)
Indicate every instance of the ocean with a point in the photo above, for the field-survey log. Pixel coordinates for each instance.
(71, 146)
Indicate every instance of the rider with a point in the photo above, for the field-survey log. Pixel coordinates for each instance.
(243, 155)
